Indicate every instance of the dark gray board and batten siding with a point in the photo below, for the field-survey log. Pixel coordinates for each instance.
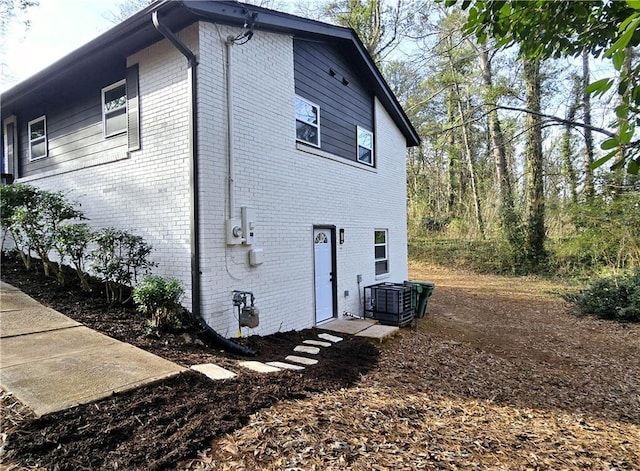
(75, 128)
(342, 106)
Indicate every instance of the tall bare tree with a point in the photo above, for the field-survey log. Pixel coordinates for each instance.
(535, 230)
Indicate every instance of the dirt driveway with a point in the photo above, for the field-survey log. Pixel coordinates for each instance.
(498, 376)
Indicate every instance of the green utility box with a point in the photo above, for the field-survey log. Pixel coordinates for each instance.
(421, 291)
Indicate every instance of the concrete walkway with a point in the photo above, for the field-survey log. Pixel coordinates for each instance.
(51, 362)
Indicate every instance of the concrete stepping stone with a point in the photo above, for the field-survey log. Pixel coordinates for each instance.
(307, 349)
(317, 343)
(330, 338)
(259, 367)
(285, 366)
(214, 372)
(301, 360)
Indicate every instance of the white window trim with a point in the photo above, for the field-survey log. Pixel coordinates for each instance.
(5, 144)
(43, 138)
(358, 145)
(104, 113)
(386, 252)
(317, 126)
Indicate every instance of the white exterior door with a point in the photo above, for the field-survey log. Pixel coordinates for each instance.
(323, 270)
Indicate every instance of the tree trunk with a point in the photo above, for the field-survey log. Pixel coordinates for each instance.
(452, 200)
(535, 235)
(495, 135)
(566, 148)
(473, 179)
(588, 136)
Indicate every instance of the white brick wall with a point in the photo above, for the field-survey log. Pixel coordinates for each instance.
(147, 191)
(290, 191)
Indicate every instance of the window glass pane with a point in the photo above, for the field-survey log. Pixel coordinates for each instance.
(382, 267)
(364, 155)
(365, 138)
(306, 112)
(306, 132)
(115, 98)
(380, 251)
(37, 130)
(380, 237)
(38, 149)
(116, 122)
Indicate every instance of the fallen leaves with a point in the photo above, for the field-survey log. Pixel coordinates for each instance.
(502, 379)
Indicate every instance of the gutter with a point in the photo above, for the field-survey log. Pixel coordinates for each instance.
(193, 160)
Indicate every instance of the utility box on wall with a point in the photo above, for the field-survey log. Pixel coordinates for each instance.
(248, 224)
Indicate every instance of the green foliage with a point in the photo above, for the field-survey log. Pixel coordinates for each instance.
(607, 235)
(604, 28)
(34, 225)
(616, 298)
(118, 259)
(72, 240)
(160, 297)
(13, 197)
(481, 256)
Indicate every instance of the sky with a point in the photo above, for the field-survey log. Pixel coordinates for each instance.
(57, 28)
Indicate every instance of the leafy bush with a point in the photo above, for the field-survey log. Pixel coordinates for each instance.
(160, 297)
(616, 297)
(34, 225)
(13, 197)
(118, 259)
(72, 240)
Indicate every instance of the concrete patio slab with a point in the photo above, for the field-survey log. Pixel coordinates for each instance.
(285, 366)
(258, 367)
(330, 338)
(213, 371)
(65, 381)
(378, 332)
(44, 345)
(318, 343)
(301, 360)
(347, 326)
(32, 319)
(307, 349)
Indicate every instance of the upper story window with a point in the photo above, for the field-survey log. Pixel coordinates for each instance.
(38, 138)
(114, 109)
(307, 122)
(365, 146)
(381, 252)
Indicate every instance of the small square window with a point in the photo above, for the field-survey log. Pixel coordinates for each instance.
(381, 253)
(365, 146)
(114, 109)
(38, 138)
(307, 122)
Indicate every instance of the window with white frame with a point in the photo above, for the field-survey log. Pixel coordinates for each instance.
(38, 138)
(307, 122)
(114, 109)
(365, 146)
(381, 251)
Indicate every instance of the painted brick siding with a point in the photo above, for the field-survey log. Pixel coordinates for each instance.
(147, 191)
(291, 190)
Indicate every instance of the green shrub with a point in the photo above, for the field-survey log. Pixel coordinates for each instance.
(118, 259)
(13, 197)
(615, 297)
(160, 297)
(72, 240)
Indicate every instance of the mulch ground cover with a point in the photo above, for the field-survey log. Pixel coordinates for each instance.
(161, 425)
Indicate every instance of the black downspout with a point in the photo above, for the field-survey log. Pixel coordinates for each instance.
(193, 159)
(195, 199)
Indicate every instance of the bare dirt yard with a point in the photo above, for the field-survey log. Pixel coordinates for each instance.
(499, 375)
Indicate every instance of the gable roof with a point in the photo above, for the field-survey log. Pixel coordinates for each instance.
(138, 32)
